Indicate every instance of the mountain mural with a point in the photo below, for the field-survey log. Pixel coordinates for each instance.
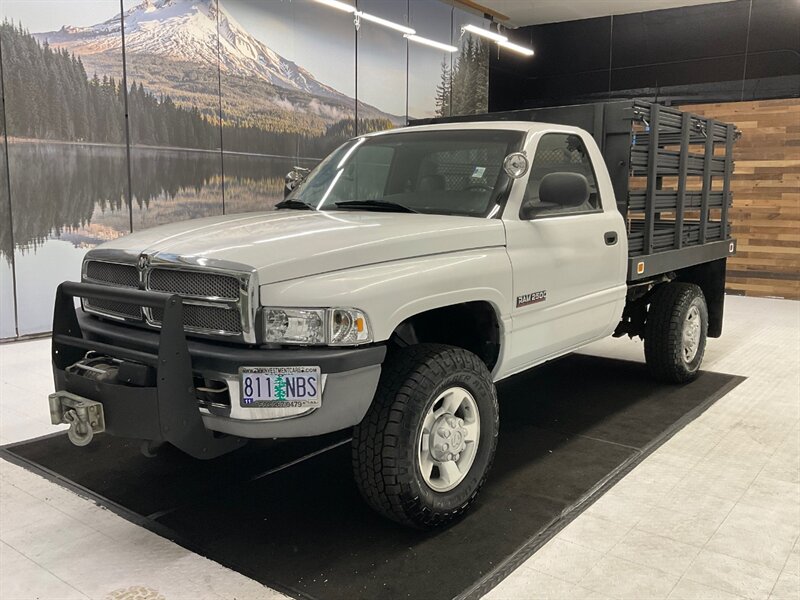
(173, 48)
(198, 81)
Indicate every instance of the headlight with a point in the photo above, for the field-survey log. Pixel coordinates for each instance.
(314, 326)
(347, 326)
(294, 326)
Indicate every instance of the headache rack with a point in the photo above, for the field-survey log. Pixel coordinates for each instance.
(671, 173)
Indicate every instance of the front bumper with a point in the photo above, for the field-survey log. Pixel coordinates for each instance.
(170, 411)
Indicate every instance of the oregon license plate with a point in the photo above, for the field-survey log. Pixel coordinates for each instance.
(281, 387)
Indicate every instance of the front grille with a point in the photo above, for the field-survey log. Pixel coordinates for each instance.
(207, 318)
(193, 286)
(199, 284)
(117, 275)
(113, 273)
(111, 307)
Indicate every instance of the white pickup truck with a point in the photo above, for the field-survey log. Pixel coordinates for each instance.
(398, 281)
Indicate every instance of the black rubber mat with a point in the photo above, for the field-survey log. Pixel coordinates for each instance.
(296, 522)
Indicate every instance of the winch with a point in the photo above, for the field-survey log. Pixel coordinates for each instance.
(85, 417)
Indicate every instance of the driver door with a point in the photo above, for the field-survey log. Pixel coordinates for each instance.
(568, 262)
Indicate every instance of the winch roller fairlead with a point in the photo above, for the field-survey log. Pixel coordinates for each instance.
(145, 395)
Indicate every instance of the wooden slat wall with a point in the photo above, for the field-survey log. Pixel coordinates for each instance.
(765, 217)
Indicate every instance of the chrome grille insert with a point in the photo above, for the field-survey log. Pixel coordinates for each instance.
(197, 284)
(116, 309)
(206, 318)
(118, 275)
(112, 273)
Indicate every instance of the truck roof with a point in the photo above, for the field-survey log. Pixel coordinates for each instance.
(507, 125)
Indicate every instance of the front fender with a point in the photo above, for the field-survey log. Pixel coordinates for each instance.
(391, 292)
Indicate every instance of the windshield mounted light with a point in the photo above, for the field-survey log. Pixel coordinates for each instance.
(516, 165)
(315, 326)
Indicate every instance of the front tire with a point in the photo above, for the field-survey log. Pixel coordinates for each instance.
(423, 451)
(676, 332)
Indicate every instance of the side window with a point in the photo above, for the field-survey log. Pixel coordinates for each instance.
(558, 153)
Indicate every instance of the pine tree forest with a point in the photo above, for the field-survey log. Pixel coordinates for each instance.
(50, 96)
(464, 89)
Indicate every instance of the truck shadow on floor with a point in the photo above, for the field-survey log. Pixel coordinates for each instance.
(297, 523)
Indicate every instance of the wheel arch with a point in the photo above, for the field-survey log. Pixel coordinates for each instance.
(475, 325)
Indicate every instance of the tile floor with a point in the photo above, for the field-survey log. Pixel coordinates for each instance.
(714, 513)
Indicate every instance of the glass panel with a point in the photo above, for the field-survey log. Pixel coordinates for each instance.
(171, 56)
(429, 68)
(559, 153)
(470, 93)
(382, 67)
(288, 89)
(442, 172)
(66, 151)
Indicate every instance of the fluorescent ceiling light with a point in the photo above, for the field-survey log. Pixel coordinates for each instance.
(337, 4)
(386, 23)
(516, 48)
(431, 43)
(485, 33)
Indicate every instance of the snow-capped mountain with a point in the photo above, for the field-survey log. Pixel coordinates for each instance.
(186, 31)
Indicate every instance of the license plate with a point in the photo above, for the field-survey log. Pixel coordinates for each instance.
(281, 387)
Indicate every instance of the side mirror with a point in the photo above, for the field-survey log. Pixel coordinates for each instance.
(565, 190)
(293, 179)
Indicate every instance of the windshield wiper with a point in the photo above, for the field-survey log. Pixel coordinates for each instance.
(296, 204)
(375, 205)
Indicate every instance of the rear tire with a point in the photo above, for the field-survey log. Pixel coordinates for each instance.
(423, 451)
(675, 332)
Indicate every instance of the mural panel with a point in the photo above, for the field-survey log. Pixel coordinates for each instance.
(66, 152)
(8, 319)
(470, 69)
(382, 67)
(287, 72)
(171, 57)
(429, 87)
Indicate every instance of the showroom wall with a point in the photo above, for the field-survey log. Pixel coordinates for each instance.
(765, 217)
(736, 61)
(119, 115)
(720, 52)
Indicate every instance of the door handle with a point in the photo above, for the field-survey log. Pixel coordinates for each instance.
(610, 237)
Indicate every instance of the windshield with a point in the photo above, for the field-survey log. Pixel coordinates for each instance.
(452, 172)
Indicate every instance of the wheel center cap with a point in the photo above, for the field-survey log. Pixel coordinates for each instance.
(448, 438)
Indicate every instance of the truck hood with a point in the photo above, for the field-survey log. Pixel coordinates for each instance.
(288, 244)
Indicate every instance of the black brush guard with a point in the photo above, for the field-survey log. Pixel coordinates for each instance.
(166, 412)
